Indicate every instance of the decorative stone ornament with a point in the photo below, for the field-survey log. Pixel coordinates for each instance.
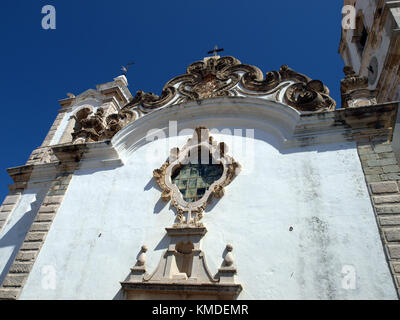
(182, 272)
(228, 77)
(193, 175)
(211, 78)
(354, 90)
(142, 257)
(91, 127)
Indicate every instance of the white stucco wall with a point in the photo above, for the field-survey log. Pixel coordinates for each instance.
(319, 191)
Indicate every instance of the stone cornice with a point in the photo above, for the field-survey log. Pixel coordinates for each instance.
(70, 157)
(290, 128)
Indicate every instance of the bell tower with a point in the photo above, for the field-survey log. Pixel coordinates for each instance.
(370, 49)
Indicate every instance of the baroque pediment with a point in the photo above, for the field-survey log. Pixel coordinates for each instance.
(211, 78)
(228, 77)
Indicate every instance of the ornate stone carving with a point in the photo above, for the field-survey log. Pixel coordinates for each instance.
(213, 77)
(183, 270)
(352, 81)
(42, 155)
(91, 127)
(200, 147)
(227, 76)
(354, 90)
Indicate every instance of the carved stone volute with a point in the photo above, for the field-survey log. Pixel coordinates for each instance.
(354, 90)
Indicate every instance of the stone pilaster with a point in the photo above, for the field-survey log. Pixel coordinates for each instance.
(9, 204)
(44, 154)
(382, 174)
(69, 158)
(54, 127)
(19, 271)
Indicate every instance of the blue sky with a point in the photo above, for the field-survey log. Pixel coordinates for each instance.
(94, 38)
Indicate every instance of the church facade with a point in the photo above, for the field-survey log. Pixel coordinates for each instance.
(232, 184)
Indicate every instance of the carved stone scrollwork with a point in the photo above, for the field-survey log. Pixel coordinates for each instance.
(310, 96)
(97, 127)
(354, 90)
(211, 78)
(223, 169)
(227, 76)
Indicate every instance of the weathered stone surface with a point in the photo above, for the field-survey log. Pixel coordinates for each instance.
(48, 209)
(20, 267)
(388, 209)
(373, 178)
(392, 234)
(390, 176)
(387, 155)
(35, 236)
(44, 217)
(11, 199)
(394, 251)
(9, 294)
(52, 200)
(26, 255)
(366, 149)
(57, 192)
(7, 207)
(396, 266)
(391, 169)
(40, 226)
(366, 157)
(14, 280)
(390, 220)
(31, 246)
(381, 162)
(373, 170)
(4, 216)
(387, 199)
(384, 187)
(383, 148)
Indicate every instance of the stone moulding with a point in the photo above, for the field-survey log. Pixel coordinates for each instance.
(228, 77)
(354, 90)
(200, 141)
(183, 270)
(91, 127)
(212, 78)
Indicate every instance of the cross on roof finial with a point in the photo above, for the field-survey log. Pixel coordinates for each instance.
(125, 68)
(215, 51)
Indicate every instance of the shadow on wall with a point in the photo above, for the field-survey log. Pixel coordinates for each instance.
(16, 235)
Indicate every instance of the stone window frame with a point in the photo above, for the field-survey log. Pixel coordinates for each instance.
(201, 139)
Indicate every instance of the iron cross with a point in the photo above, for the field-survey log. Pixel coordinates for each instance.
(215, 51)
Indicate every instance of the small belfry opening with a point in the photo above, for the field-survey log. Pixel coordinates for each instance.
(360, 35)
(195, 178)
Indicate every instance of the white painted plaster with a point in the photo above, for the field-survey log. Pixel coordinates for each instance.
(107, 215)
